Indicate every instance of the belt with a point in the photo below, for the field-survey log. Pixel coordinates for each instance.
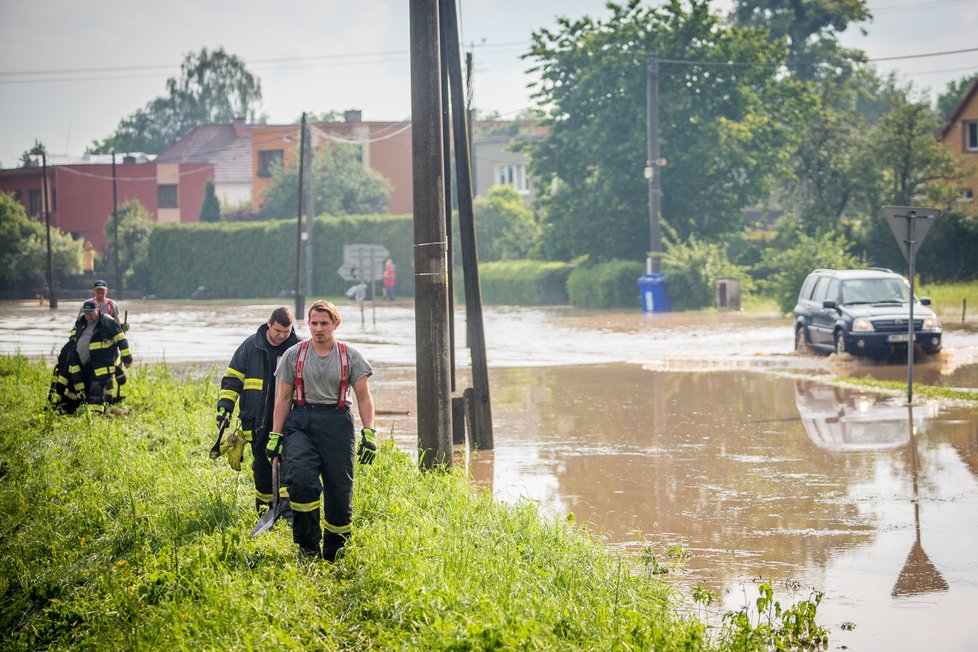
(317, 406)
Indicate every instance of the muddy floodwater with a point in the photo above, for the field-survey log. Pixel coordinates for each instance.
(704, 434)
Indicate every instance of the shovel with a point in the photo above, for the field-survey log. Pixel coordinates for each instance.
(216, 448)
(278, 506)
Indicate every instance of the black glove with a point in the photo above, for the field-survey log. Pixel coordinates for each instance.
(367, 450)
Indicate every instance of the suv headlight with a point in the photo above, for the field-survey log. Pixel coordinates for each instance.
(862, 325)
(932, 323)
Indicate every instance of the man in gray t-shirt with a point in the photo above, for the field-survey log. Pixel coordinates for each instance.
(312, 428)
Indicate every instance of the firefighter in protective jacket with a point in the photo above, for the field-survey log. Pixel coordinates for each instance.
(250, 381)
(90, 366)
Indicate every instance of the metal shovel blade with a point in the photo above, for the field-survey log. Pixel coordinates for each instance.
(267, 520)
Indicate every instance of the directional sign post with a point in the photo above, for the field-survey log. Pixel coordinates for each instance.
(364, 263)
(910, 225)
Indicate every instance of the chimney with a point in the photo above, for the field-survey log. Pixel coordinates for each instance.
(353, 115)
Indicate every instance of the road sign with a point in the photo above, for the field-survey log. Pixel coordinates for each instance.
(363, 262)
(910, 225)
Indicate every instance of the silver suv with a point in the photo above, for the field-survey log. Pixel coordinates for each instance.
(862, 312)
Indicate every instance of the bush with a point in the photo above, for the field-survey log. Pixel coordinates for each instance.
(521, 283)
(787, 268)
(693, 268)
(606, 285)
(257, 259)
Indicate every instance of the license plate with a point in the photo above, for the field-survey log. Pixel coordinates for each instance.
(899, 337)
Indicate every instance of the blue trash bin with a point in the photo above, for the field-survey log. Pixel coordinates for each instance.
(654, 291)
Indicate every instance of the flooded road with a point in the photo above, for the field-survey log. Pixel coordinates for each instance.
(702, 431)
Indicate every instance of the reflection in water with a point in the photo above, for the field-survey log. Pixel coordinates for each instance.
(918, 574)
(839, 419)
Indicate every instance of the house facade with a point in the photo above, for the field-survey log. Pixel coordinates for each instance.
(495, 160)
(226, 147)
(80, 196)
(385, 147)
(960, 136)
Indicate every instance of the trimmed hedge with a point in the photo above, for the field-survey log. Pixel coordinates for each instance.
(613, 284)
(520, 283)
(257, 259)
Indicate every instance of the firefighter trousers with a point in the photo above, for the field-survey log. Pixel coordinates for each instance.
(319, 448)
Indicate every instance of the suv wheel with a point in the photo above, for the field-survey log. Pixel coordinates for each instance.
(800, 345)
(840, 343)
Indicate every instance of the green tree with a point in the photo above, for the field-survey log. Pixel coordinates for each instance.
(210, 209)
(213, 86)
(724, 130)
(810, 28)
(504, 225)
(341, 184)
(24, 249)
(794, 254)
(135, 226)
(952, 96)
(693, 267)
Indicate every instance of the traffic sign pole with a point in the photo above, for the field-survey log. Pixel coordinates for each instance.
(910, 225)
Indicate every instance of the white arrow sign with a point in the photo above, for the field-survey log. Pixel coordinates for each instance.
(363, 262)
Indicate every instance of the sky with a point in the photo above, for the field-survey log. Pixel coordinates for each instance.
(70, 70)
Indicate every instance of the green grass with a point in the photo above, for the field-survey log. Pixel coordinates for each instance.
(919, 390)
(947, 298)
(121, 534)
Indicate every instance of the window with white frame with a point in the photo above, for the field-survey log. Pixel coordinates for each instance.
(971, 136)
(513, 175)
(166, 195)
(966, 195)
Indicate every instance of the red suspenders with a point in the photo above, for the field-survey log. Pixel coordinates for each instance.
(300, 396)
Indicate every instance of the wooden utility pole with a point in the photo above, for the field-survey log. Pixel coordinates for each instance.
(480, 413)
(115, 230)
(52, 290)
(446, 137)
(310, 212)
(430, 241)
(299, 303)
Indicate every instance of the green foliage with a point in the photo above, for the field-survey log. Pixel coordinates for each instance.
(135, 227)
(24, 246)
(795, 254)
(158, 557)
(342, 185)
(257, 259)
(776, 628)
(692, 269)
(213, 87)
(913, 165)
(605, 285)
(504, 225)
(952, 96)
(521, 283)
(210, 209)
(723, 132)
(810, 30)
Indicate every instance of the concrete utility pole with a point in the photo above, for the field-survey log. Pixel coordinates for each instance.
(430, 241)
(653, 163)
(299, 303)
(480, 414)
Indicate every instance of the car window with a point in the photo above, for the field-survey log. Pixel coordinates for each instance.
(875, 290)
(821, 289)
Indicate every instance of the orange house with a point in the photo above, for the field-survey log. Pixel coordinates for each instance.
(960, 135)
(385, 148)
